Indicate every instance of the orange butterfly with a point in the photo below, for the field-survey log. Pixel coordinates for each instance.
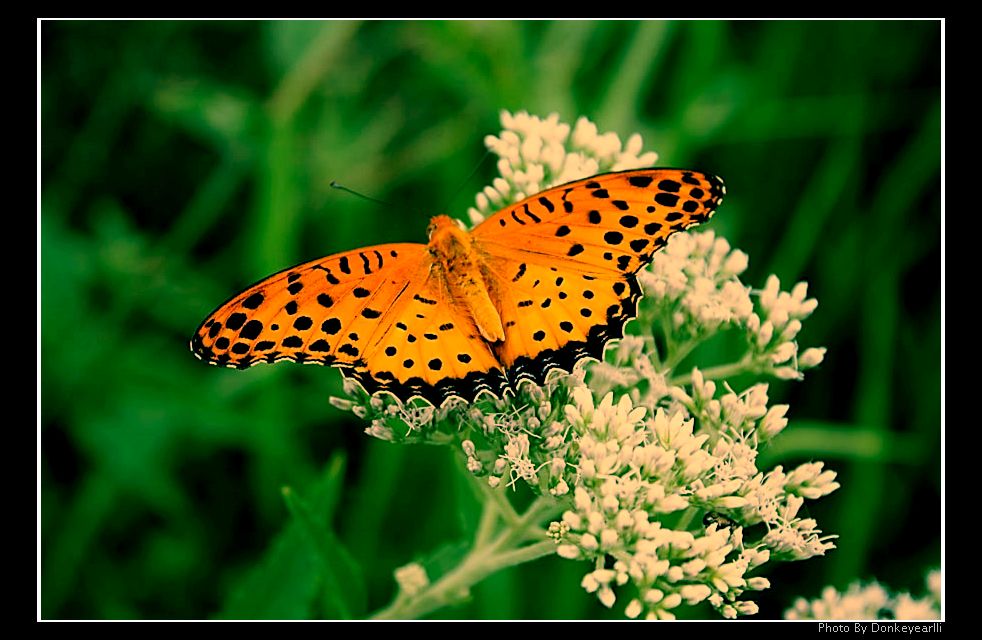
(535, 287)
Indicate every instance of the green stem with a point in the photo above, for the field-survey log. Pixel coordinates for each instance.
(525, 554)
(716, 373)
(495, 496)
(686, 519)
(652, 351)
(485, 558)
(679, 354)
(668, 333)
(485, 528)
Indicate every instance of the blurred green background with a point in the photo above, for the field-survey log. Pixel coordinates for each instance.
(183, 160)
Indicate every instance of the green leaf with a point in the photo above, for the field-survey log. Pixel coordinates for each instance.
(305, 559)
(343, 588)
(282, 585)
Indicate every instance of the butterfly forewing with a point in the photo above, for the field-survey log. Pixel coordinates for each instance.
(322, 311)
(611, 222)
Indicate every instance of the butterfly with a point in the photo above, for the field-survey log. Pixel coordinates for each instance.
(537, 286)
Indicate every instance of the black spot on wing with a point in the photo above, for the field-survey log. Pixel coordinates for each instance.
(613, 237)
(521, 272)
(667, 199)
(251, 330)
(331, 278)
(235, 321)
(688, 178)
(253, 301)
(348, 349)
(331, 326)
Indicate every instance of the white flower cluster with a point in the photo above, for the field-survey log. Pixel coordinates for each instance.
(536, 153)
(696, 281)
(525, 437)
(871, 602)
(697, 275)
(389, 419)
(640, 481)
(662, 490)
(776, 327)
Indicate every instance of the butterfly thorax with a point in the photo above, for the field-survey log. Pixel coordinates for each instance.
(457, 262)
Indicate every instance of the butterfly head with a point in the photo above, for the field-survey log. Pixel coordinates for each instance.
(441, 224)
(447, 239)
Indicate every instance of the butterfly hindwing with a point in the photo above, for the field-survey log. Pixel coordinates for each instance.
(555, 315)
(429, 347)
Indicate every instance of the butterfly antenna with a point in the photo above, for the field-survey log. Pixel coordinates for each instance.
(341, 187)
